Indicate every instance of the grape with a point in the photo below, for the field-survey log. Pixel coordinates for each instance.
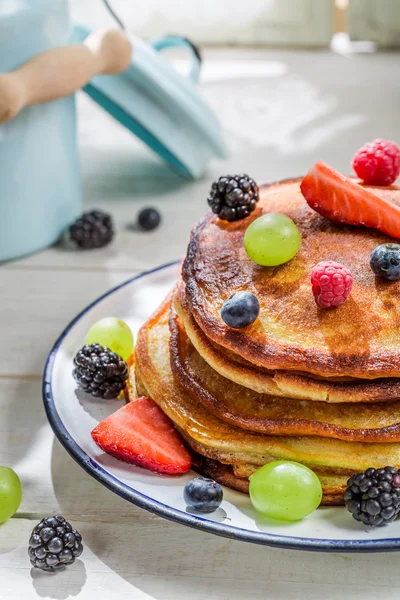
(112, 333)
(272, 240)
(285, 490)
(10, 493)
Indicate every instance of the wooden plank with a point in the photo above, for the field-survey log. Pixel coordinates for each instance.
(51, 480)
(165, 561)
(36, 305)
(277, 22)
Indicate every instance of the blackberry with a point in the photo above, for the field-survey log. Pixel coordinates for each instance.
(373, 497)
(233, 197)
(385, 261)
(100, 372)
(54, 544)
(92, 230)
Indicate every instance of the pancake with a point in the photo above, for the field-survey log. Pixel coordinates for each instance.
(274, 415)
(237, 478)
(358, 339)
(280, 383)
(213, 438)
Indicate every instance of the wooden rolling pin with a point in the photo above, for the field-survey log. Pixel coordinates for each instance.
(62, 71)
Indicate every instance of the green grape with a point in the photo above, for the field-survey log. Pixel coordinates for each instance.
(10, 493)
(285, 490)
(272, 240)
(112, 333)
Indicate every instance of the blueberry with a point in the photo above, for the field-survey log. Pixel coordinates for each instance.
(385, 261)
(149, 219)
(203, 495)
(240, 310)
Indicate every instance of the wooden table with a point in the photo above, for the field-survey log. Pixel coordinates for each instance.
(280, 112)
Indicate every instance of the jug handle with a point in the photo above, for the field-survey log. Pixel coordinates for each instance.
(62, 71)
(177, 41)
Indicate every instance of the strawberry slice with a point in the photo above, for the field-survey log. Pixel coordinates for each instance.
(341, 199)
(140, 433)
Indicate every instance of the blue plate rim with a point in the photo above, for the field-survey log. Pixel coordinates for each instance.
(158, 508)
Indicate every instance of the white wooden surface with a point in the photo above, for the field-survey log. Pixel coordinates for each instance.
(375, 20)
(280, 112)
(221, 22)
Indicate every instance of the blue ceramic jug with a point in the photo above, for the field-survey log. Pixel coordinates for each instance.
(40, 190)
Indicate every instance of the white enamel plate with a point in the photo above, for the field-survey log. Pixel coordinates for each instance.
(73, 415)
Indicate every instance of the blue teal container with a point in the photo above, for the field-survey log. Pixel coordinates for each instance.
(40, 187)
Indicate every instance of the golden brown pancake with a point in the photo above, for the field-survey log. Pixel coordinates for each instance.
(215, 439)
(358, 339)
(274, 415)
(281, 383)
(236, 476)
(333, 487)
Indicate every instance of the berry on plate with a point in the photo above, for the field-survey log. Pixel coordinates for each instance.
(233, 197)
(92, 230)
(373, 497)
(203, 494)
(272, 240)
(100, 372)
(285, 490)
(149, 219)
(112, 333)
(240, 310)
(54, 544)
(340, 199)
(141, 434)
(331, 283)
(10, 493)
(385, 261)
(378, 162)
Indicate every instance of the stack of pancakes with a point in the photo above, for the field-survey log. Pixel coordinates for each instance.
(303, 383)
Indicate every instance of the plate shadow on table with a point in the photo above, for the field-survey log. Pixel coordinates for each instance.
(167, 560)
(25, 416)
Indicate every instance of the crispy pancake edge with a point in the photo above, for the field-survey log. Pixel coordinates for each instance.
(282, 383)
(382, 363)
(332, 491)
(224, 474)
(271, 426)
(332, 494)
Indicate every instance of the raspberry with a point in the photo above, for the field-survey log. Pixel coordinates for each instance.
(378, 162)
(331, 283)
